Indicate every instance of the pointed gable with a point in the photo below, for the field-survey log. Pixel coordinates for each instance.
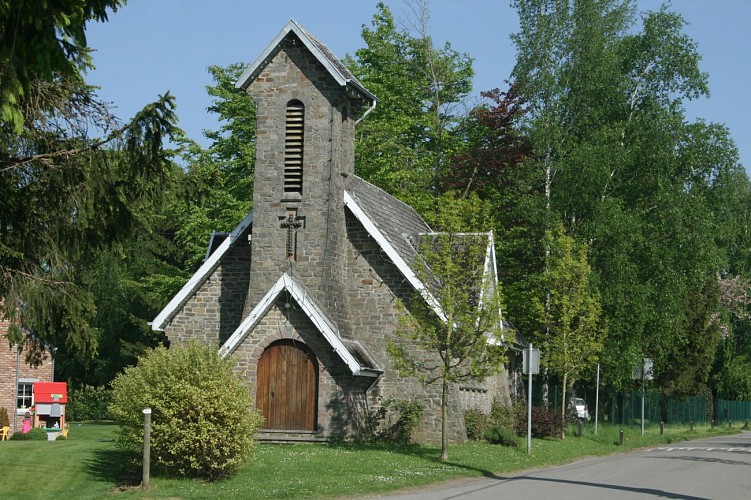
(352, 353)
(320, 51)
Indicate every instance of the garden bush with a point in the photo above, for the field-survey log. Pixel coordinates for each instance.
(202, 421)
(476, 423)
(33, 435)
(545, 423)
(89, 403)
(502, 436)
(396, 420)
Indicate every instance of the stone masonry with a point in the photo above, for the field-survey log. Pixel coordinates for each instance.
(340, 264)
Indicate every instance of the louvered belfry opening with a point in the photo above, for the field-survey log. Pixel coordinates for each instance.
(293, 147)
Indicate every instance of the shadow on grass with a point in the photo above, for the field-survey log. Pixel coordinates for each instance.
(419, 451)
(115, 467)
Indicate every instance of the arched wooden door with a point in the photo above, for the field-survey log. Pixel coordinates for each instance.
(287, 386)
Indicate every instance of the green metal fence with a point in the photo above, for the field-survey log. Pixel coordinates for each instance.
(625, 407)
(733, 411)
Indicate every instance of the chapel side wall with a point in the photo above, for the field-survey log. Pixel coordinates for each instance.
(375, 286)
(213, 313)
(8, 363)
(340, 403)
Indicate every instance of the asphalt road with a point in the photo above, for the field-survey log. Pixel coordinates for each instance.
(716, 468)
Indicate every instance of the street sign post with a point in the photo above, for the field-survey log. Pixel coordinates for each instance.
(531, 366)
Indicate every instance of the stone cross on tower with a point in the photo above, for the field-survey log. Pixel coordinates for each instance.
(292, 222)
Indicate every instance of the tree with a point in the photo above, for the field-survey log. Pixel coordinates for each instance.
(576, 332)
(405, 144)
(66, 195)
(39, 43)
(624, 171)
(460, 323)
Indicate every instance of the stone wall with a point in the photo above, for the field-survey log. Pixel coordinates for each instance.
(293, 73)
(213, 313)
(340, 406)
(375, 286)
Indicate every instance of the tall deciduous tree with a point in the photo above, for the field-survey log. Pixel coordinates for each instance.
(576, 332)
(405, 144)
(624, 171)
(460, 324)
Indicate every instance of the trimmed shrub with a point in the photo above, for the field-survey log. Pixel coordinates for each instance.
(33, 435)
(499, 435)
(476, 423)
(89, 403)
(396, 420)
(202, 421)
(4, 419)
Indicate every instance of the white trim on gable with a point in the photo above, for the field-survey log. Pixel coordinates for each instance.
(397, 259)
(251, 72)
(314, 313)
(199, 277)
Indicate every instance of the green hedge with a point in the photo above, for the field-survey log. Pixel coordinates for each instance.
(89, 403)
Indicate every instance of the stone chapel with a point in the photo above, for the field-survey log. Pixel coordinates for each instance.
(303, 292)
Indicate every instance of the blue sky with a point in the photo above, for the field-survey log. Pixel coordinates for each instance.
(152, 46)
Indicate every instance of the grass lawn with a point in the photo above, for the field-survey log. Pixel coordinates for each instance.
(87, 465)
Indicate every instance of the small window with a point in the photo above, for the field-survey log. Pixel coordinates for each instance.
(25, 398)
(293, 147)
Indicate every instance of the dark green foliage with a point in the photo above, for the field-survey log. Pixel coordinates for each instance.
(60, 437)
(203, 421)
(502, 417)
(546, 422)
(89, 403)
(67, 195)
(476, 423)
(39, 42)
(36, 434)
(502, 436)
(396, 420)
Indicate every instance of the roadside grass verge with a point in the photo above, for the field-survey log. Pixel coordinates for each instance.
(87, 465)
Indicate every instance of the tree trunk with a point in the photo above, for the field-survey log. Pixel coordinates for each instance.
(444, 427)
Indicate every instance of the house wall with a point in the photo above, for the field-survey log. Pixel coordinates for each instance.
(341, 405)
(375, 286)
(8, 363)
(215, 310)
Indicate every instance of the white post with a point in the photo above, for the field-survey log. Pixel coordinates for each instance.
(597, 397)
(146, 477)
(642, 396)
(529, 401)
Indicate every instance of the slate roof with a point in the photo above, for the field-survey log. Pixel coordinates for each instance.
(319, 49)
(398, 222)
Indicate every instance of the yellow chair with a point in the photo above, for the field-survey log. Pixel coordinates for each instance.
(4, 433)
(65, 433)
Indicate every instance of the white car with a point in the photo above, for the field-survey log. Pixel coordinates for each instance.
(582, 411)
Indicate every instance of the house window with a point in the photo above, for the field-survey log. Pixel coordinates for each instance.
(293, 147)
(25, 398)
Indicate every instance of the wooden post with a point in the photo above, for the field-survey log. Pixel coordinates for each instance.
(620, 438)
(146, 480)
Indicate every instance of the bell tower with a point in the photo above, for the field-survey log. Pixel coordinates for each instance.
(306, 102)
